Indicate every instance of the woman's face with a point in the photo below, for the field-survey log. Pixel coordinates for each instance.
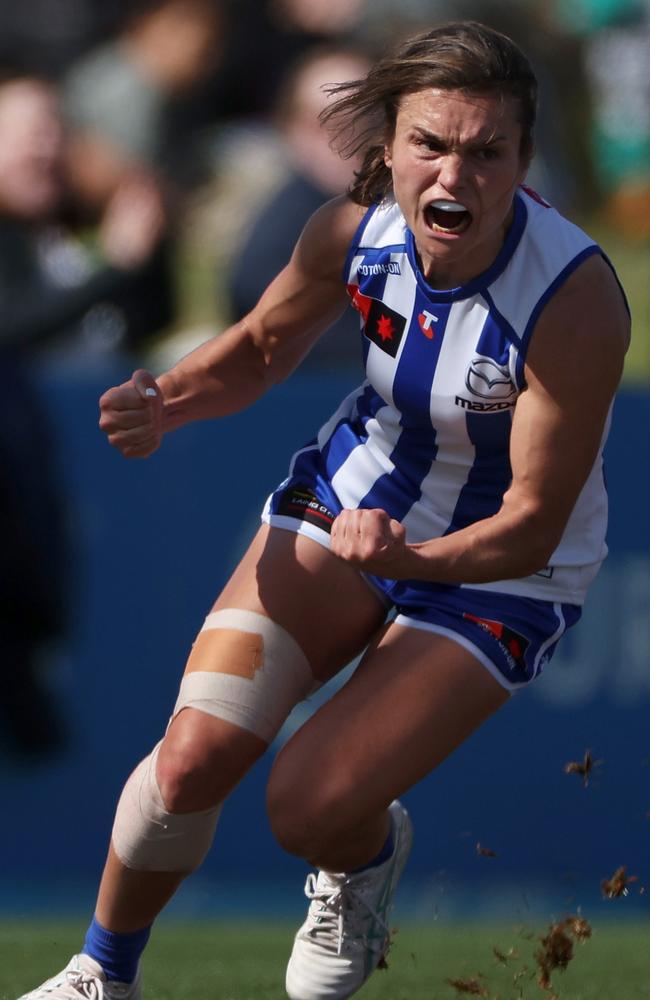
(31, 149)
(456, 164)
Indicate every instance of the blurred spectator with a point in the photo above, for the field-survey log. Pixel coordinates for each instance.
(316, 173)
(54, 294)
(50, 34)
(57, 289)
(616, 39)
(321, 17)
(120, 97)
(265, 39)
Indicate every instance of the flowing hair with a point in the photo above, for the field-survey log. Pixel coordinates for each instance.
(462, 55)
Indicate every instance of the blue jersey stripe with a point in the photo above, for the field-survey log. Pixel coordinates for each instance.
(504, 325)
(490, 474)
(417, 367)
(494, 341)
(369, 404)
(398, 490)
(351, 431)
(416, 446)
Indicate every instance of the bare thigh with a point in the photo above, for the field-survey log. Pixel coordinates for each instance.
(415, 697)
(326, 607)
(324, 603)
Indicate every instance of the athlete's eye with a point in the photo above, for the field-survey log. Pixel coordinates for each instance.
(429, 145)
(487, 153)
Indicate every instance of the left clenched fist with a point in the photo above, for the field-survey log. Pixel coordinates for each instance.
(372, 541)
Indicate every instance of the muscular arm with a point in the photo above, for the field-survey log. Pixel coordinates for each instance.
(573, 367)
(232, 370)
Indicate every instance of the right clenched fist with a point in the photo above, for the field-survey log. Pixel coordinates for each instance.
(131, 415)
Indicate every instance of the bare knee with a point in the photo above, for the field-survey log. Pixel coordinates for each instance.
(202, 759)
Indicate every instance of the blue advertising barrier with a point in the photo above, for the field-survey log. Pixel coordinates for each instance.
(151, 545)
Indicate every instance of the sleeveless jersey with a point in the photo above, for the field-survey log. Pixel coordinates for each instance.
(426, 436)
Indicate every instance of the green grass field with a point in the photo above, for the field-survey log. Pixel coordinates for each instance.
(244, 961)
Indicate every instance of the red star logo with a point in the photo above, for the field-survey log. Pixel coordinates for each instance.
(385, 328)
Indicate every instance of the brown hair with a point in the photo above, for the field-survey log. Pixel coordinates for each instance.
(461, 55)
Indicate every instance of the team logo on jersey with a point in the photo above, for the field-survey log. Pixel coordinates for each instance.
(426, 319)
(491, 381)
(304, 505)
(381, 324)
(485, 377)
(513, 644)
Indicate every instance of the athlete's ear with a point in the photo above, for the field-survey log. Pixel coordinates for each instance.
(388, 154)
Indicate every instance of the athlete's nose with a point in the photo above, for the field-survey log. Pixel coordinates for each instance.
(451, 171)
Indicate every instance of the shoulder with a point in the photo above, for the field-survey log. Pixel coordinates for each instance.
(590, 305)
(326, 238)
(335, 222)
(585, 326)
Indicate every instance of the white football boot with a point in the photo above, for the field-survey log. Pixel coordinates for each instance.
(83, 979)
(346, 933)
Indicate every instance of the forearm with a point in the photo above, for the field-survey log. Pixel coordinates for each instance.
(506, 546)
(222, 376)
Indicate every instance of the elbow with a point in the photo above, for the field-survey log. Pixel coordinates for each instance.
(260, 359)
(540, 540)
(536, 561)
(267, 359)
(537, 534)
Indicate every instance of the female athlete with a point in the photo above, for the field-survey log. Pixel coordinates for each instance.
(447, 519)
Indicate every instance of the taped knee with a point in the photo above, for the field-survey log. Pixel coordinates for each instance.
(146, 837)
(245, 669)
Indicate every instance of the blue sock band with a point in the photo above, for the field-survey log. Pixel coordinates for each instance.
(384, 855)
(118, 954)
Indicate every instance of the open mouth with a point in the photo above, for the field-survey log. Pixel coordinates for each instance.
(447, 216)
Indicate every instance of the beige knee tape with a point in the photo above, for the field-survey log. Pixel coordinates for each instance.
(247, 670)
(148, 838)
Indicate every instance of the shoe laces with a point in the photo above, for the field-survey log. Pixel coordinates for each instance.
(76, 985)
(85, 985)
(341, 914)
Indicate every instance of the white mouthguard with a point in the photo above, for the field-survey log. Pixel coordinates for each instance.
(448, 206)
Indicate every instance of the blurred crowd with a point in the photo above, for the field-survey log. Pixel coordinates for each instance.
(158, 159)
(143, 138)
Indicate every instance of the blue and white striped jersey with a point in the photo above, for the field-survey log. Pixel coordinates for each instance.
(426, 436)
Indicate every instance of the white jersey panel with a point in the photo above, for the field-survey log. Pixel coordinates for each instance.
(399, 291)
(386, 226)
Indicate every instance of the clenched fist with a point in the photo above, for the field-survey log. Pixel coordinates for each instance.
(372, 541)
(131, 415)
